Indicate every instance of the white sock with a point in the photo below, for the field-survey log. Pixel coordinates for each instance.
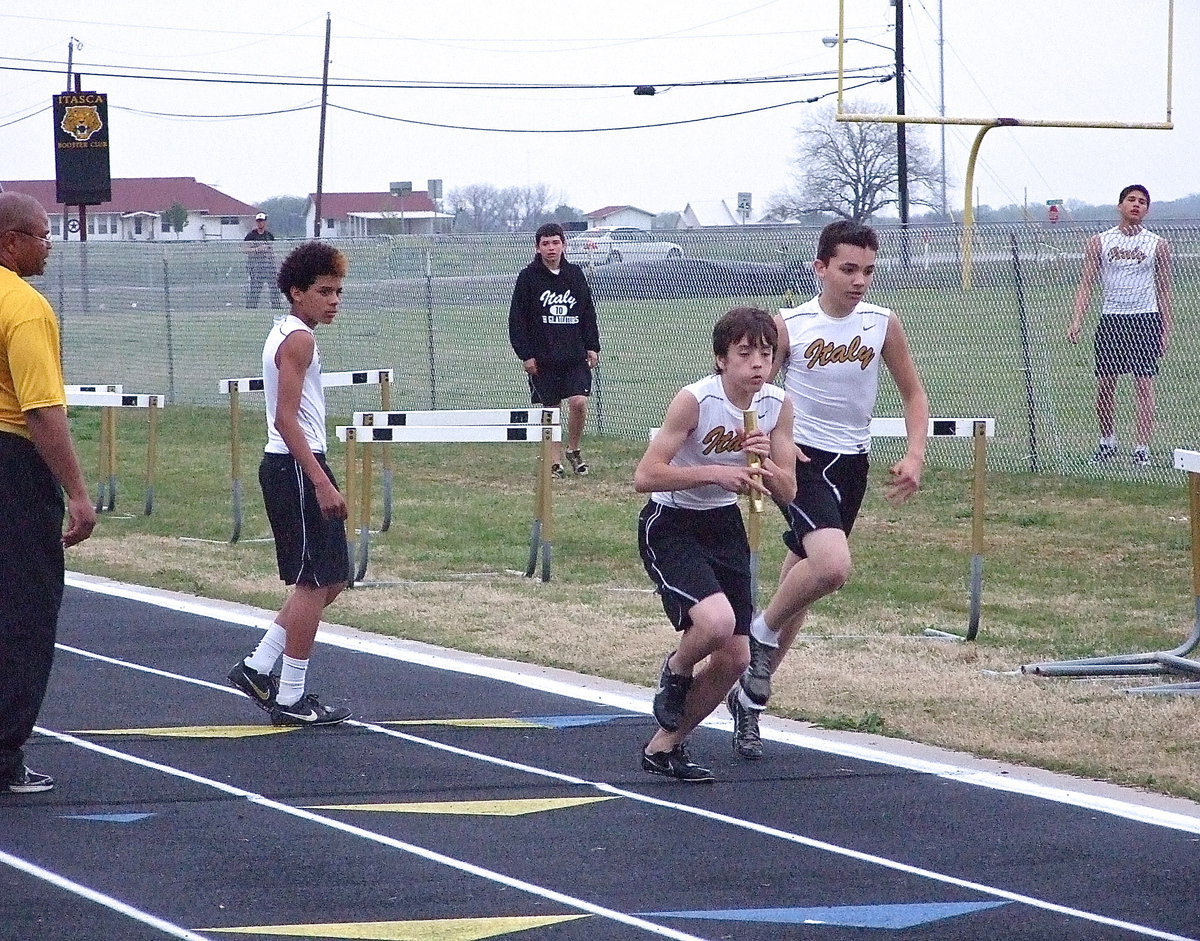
(763, 634)
(747, 702)
(1109, 441)
(291, 681)
(268, 650)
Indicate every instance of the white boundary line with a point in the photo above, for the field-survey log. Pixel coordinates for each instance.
(100, 898)
(430, 855)
(563, 778)
(627, 702)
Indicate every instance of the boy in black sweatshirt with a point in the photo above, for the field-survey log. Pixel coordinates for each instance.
(553, 331)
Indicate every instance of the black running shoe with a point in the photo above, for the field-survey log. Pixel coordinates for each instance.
(578, 464)
(556, 471)
(675, 764)
(308, 711)
(258, 686)
(29, 781)
(756, 681)
(746, 740)
(670, 696)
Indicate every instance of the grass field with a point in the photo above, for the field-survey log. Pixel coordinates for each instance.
(1073, 568)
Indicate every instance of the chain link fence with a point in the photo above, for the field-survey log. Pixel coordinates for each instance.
(989, 338)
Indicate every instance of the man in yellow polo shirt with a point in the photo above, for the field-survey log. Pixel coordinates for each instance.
(37, 463)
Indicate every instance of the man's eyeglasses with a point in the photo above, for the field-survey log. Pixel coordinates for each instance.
(44, 239)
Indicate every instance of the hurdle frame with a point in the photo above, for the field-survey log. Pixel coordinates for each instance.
(979, 430)
(109, 398)
(234, 387)
(446, 426)
(1173, 662)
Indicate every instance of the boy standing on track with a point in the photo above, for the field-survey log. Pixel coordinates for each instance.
(830, 350)
(305, 508)
(1133, 267)
(690, 533)
(552, 328)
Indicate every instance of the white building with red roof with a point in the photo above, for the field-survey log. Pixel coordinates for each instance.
(137, 208)
(360, 215)
(620, 215)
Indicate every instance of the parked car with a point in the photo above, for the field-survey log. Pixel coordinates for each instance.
(607, 245)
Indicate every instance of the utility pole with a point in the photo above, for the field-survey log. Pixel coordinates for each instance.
(942, 105)
(321, 139)
(901, 143)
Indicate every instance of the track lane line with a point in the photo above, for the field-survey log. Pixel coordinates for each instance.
(100, 898)
(563, 778)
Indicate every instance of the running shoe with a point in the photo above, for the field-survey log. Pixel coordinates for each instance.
(1141, 457)
(675, 764)
(307, 710)
(260, 687)
(670, 696)
(756, 681)
(29, 781)
(578, 464)
(746, 740)
(1103, 454)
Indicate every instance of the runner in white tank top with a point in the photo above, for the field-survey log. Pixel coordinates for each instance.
(1133, 267)
(690, 533)
(829, 353)
(306, 511)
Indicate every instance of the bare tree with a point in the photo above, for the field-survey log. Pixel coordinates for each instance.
(511, 209)
(850, 168)
(478, 203)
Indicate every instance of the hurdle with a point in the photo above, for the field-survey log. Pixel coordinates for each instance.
(109, 398)
(1172, 662)
(979, 430)
(445, 426)
(235, 387)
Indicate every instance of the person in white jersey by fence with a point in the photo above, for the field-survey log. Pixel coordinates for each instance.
(1133, 266)
(305, 508)
(829, 354)
(690, 533)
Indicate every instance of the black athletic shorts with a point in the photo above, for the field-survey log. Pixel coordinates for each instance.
(310, 548)
(691, 554)
(829, 490)
(555, 382)
(1128, 343)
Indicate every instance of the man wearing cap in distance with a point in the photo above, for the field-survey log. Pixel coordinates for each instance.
(260, 264)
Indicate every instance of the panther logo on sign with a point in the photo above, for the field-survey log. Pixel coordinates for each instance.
(81, 121)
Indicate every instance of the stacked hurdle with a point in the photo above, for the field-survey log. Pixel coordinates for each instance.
(979, 430)
(109, 398)
(234, 387)
(442, 426)
(1172, 662)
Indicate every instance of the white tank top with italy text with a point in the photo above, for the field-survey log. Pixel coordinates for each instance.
(717, 440)
(832, 374)
(1127, 272)
(312, 395)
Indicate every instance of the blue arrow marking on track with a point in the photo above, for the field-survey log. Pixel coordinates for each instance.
(846, 916)
(108, 818)
(567, 722)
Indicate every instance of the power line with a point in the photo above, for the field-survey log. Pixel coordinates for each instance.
(598, 130)
(268, 79)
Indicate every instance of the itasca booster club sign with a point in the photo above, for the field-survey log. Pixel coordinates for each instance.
(81, 148)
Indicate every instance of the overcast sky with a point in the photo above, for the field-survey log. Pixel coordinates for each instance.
(1102, 60)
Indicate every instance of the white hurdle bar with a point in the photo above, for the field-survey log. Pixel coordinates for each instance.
(235, 387)
(465, 426)
(109, 398)
(979, 430)
(1162, 662)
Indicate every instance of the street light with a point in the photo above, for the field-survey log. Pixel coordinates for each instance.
(901, 142)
